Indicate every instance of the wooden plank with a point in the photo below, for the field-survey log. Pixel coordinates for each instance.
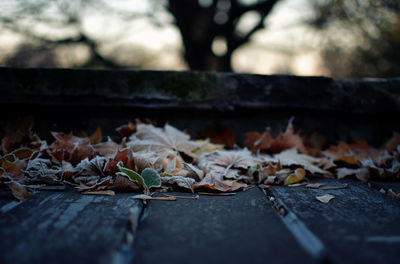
(359, 225)
(67, 228)
(216, 229)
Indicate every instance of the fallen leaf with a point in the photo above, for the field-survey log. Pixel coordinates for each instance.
(255, 141)
(288, 140)
(297, 184)
(18, 190)
(325, 198)
(148, 197)
(105, 192)
(206, 147)
(106, 149)
(150, 138)
(96, 137)
(362, 173)
(123, 184)
(42, 170)
(126, 157)
(315, 185)
(291, 157)
(334, 187)
(228, 159)
(126, 130)
(217, 194)
(70, 148)
(196, 197)
(297, 176)
(183, 182)
(217, 183)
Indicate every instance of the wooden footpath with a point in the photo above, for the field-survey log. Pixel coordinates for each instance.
(285, 225)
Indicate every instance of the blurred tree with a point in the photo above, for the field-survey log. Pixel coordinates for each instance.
(49, 25)
(211, 30)
(361, 37)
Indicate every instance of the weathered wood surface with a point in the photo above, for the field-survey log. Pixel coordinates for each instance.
(360, 225)
(67, 227)
(216, 229)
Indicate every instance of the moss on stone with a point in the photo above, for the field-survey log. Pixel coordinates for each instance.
(189, 85)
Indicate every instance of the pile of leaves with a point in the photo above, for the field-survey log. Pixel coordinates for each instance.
(146, 157)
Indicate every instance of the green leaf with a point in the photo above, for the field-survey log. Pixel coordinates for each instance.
(151, 178)
(132, 175)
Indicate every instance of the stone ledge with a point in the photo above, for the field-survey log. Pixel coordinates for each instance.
(201, 90)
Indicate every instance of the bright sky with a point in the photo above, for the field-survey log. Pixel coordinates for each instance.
(270, 51)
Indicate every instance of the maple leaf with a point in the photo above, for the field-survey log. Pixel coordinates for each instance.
(152, 138)
(341, 152)
(124, 155)
(258, 142)
(215, 182)
(106, 149)
(125, 131)
(292, 157)
(71, 148)
(288, 140)
(255, 141)
(228, 159)
(91, 175)
(97, 136)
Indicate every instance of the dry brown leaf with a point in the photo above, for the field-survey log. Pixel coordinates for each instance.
(148, 197)
(105, 192)
(334, 187)
(14, 169)
(217, 183)
(342, 152)
(126, 130)
(325, 198)
(288, 140)
(217, 194)
(315, 185)
(150, 138)
(255, 141)
(70, 148)
(124, 155)
(96, 137)
(241, 159)
(19, 190)
(43, 171)
(123, 184)
(362, 173)
(107, 149)
(291, 157)
(182, 182)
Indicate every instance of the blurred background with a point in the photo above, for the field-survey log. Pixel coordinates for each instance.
(338, 38)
